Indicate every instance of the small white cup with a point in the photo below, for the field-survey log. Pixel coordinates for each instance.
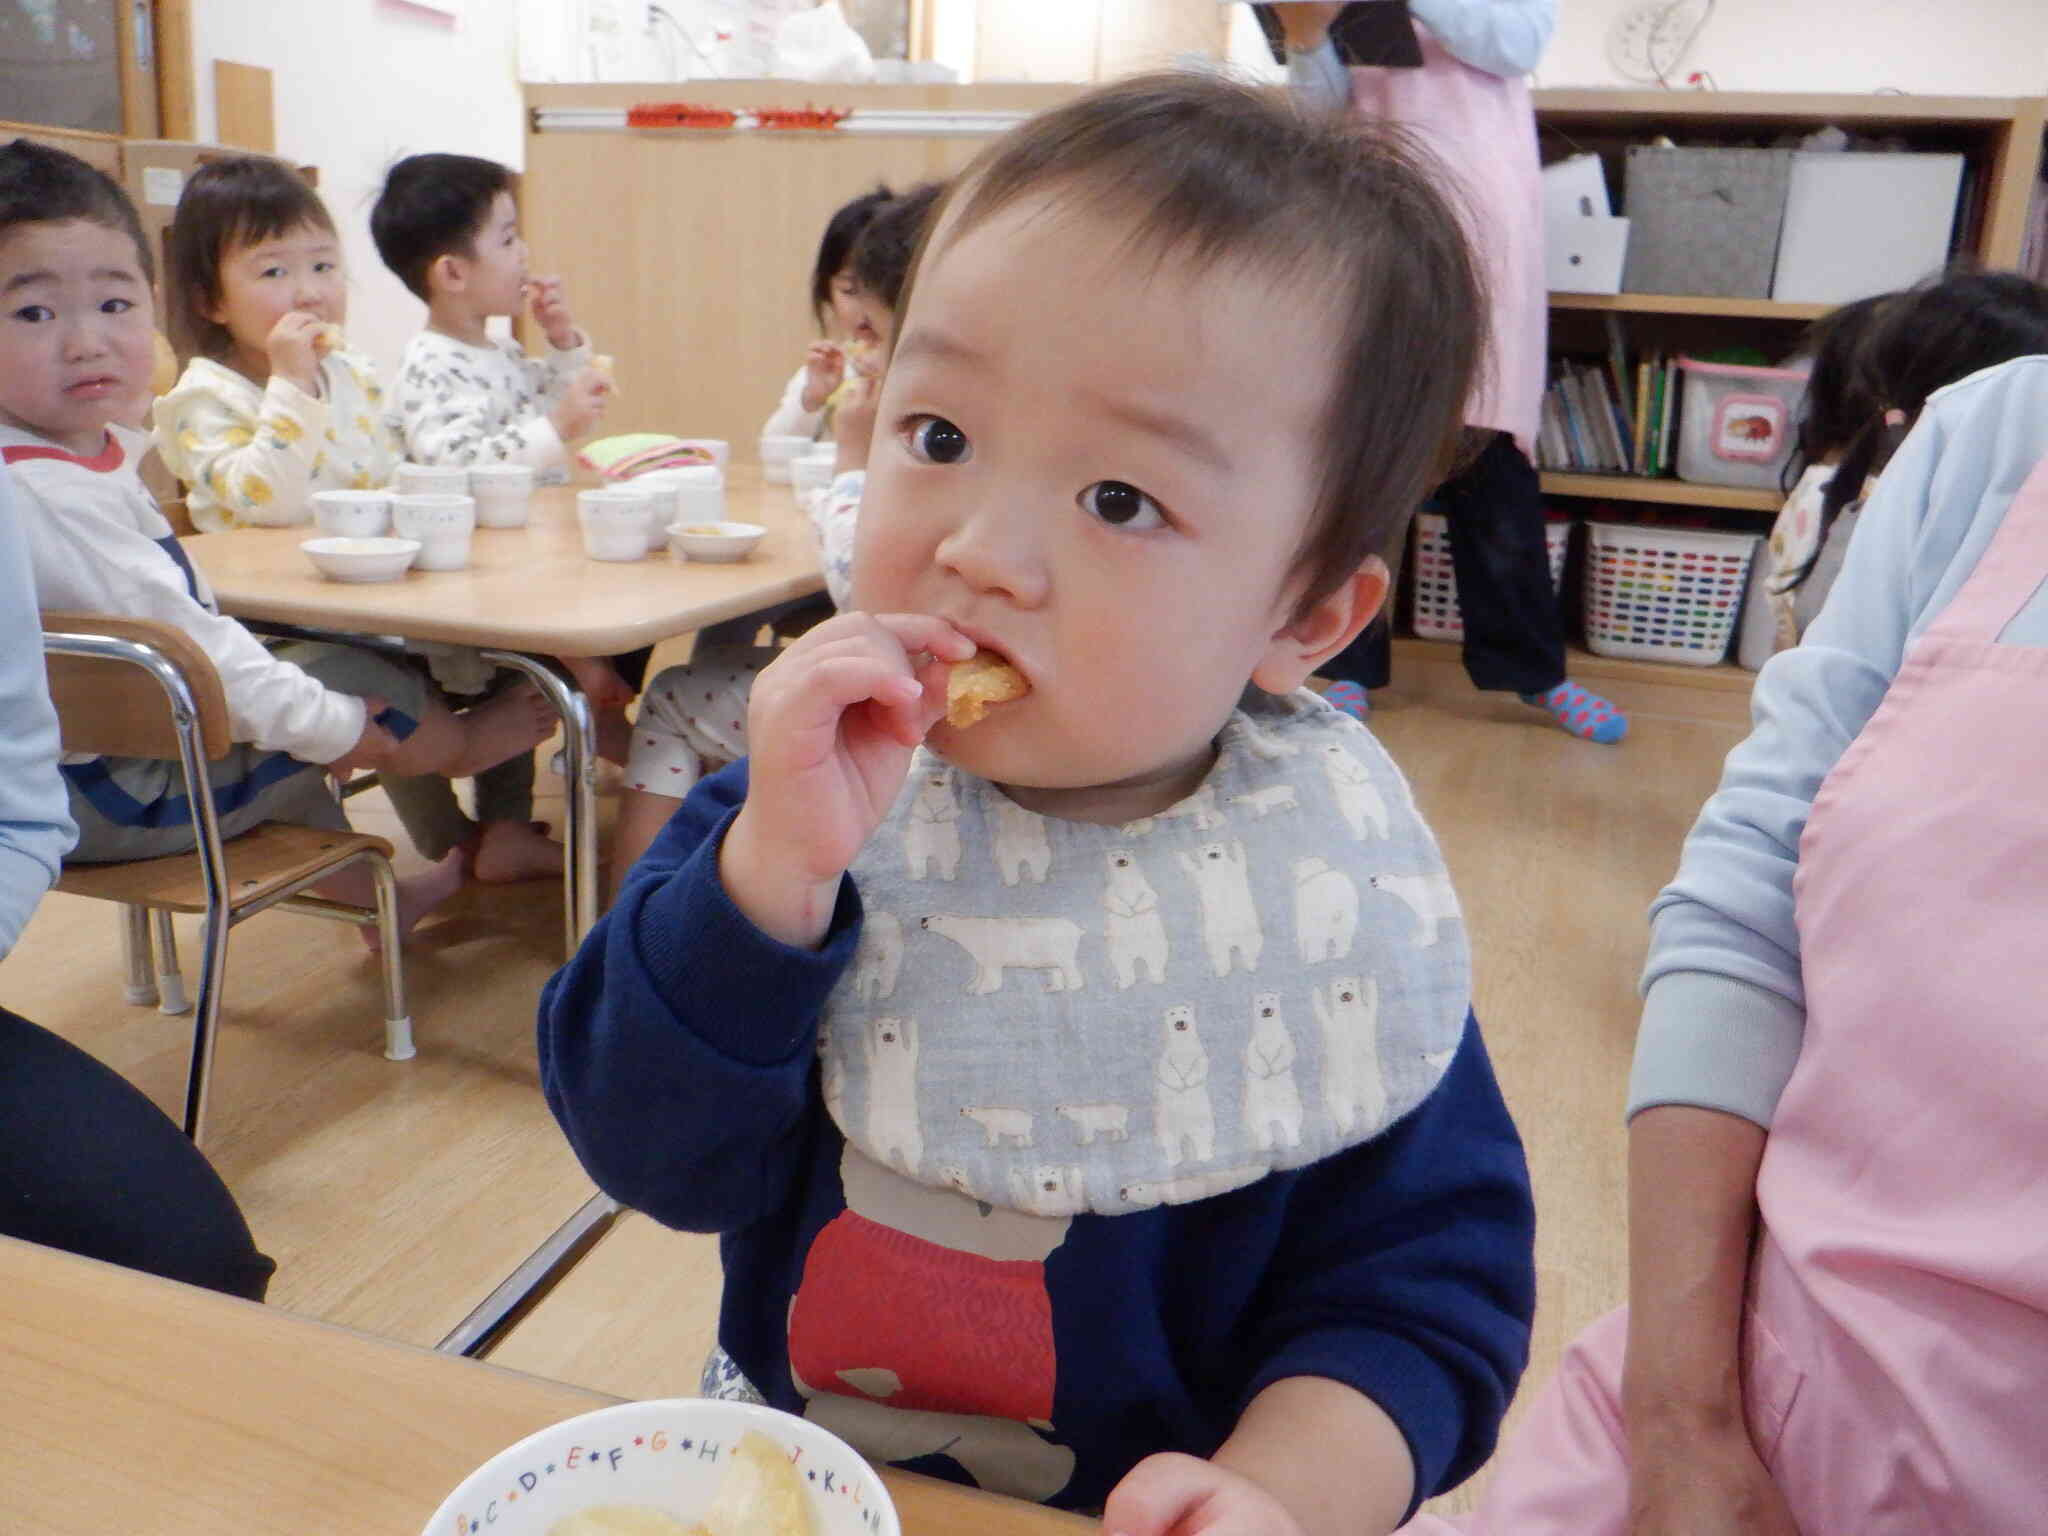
(690, 494)
(777, 454)
(503, 492)
(810, 476)
(719, 449)
(614, 522)
(441, 522)
(352, 514)
(420, 479)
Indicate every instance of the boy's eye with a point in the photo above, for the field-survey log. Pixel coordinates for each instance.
(325, 266)
(35, 314)
(116, 306)
(935, 440)
(1121, 505)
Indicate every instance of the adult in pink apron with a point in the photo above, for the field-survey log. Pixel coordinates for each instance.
(1896, 1342)
(1480, 126)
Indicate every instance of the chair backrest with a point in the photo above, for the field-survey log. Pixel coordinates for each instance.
(121, 709)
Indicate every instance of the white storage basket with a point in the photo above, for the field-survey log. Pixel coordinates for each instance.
(1664, 594)
(1435, 583)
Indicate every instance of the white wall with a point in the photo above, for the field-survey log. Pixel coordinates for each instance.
(361, 83)
(1959, 48)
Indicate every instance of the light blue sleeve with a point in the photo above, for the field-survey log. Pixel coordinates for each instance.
(1502, 37)
(35, 822)
(1724, 1009)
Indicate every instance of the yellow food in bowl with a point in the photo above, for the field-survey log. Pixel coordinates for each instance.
(760, 1495)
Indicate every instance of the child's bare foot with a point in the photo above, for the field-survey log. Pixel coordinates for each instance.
(508, 851)
(418, 895)
(517, 720)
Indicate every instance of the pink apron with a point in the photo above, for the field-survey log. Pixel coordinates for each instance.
(1897, 1350)
(1484, 131)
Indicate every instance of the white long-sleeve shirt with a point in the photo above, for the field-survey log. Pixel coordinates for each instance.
(35, 822)
(253, 454)
(98, 544)
(459, 404)
(789, 418)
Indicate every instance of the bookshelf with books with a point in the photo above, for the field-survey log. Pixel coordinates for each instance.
(1609, 432)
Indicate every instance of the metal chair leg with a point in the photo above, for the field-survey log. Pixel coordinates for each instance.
(213, 968)
(140, 992)
(397, 1022)
(170, 980)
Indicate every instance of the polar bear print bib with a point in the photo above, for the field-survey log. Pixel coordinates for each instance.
(1058, 1017)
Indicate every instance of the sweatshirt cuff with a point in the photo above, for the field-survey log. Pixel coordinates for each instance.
(688, 918)
(541, 448)
(23, 880)
(1714, 1042)
(342, 717)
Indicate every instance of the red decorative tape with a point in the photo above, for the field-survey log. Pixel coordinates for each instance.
(802, 117)
(678, 114)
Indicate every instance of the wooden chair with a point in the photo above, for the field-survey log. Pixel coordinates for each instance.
(139, 688)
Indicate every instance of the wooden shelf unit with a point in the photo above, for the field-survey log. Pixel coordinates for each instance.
(2001, 136)
(1683, 304)
(1676, 493)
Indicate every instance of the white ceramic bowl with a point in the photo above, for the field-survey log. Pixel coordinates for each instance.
(379, 559)
(441, 522)
(451, 479)
(668, 1454)
(503, 494)
(777, 453)
(352, 514)
(715, 542)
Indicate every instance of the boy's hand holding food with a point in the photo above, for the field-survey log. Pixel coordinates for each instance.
(582, 405)
(551, 312)
(831, 726)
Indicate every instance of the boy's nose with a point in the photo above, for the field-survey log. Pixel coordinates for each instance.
(992, 550)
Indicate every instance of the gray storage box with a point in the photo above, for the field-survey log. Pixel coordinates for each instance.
(1704, 221)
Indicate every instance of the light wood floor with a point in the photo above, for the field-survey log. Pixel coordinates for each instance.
(394, 1196)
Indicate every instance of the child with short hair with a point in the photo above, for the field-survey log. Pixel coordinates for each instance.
(272, 406)
(1094, 1089)
(76, 352)
(801, 410)
(447, 227)
(692, 717)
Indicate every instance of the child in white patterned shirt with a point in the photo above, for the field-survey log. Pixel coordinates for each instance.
(447, 226)
(271, 407)
(693, 716)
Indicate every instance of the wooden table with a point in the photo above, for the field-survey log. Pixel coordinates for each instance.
(530, 593)
(147, 1408)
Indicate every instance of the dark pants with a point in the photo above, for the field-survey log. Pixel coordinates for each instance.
(1514, 635)
(89, 1165)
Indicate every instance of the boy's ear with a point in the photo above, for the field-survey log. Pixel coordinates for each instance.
(1333, 623)
(215, 313)
(447, 273)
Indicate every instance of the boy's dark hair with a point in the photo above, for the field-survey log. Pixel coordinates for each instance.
(1917, 342)
(234, 201)
(41, 185)
(881, 259)
(842, 234)
(433, 206)
(1346, 214)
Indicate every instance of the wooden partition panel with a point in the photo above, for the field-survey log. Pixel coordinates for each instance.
(687, 254)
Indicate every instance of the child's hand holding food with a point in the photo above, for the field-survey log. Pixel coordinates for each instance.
(296, 344)
(824, 367)
(551, 312)
(582, 405)
(832, 724)
(853, 423)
